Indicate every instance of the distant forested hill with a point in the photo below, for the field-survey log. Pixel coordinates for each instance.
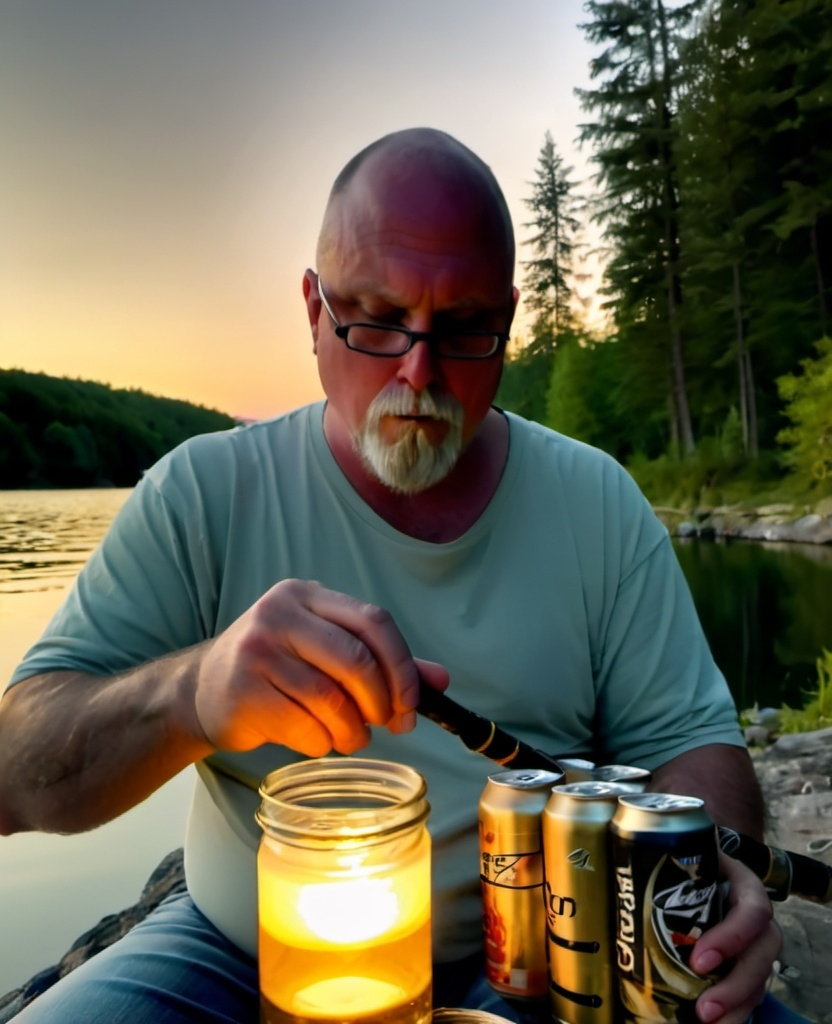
(57, 432)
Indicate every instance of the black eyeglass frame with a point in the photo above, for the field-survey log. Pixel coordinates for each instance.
(500, 338)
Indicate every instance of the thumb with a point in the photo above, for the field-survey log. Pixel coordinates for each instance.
(433, 674)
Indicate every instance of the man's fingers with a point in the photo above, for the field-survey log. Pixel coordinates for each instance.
(748, 916)
(748, 939)
(339, 661)
(329, 702)
(381, 661)
(431, 673)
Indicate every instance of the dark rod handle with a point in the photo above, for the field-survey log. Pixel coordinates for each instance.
(480, 734)
(782, 872)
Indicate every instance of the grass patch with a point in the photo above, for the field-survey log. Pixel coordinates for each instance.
(816, 713)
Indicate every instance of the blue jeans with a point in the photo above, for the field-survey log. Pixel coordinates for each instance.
(174, 967)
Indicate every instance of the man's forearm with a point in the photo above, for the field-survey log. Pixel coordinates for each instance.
(78, 750)
(724, 777)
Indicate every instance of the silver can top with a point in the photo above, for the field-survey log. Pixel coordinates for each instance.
(525, 778)
(593, 790)
(663, 803)
(619, 773)
(659, 812)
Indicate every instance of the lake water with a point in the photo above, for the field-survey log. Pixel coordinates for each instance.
(767, 612)
(52, 888)
(766, 609)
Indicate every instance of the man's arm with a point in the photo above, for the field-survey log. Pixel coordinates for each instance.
(78, 750)
(305, 667)
(724, 777)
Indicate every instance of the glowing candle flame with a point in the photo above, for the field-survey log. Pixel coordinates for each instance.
(350, 911)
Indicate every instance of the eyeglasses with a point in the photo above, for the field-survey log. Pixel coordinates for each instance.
(383, 340)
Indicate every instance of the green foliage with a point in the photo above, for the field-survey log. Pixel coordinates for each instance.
(634, 136)
(56, 432)
(525, 380)
(716, 474)
(808, 440)
(710, 125)
(584, 399)
(816, 713)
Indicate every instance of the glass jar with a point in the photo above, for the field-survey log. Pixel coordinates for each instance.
(343, 875)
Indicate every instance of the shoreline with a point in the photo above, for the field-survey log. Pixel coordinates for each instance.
(793, 524)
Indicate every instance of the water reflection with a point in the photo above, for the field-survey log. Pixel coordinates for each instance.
(46, 536)
(767, 612)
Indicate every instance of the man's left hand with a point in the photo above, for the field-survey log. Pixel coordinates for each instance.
(748, 938)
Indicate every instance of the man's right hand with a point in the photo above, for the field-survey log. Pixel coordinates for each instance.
(311, 669)
(305, 667)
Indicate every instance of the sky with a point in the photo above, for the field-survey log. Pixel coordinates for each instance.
(164, 166)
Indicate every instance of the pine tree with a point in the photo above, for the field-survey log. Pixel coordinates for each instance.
(549, 278)
(634, 140)
(548, 284)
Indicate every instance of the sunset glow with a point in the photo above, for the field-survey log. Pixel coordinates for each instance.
(166, 167)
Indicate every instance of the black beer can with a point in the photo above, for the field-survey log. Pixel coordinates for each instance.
(511, 872)
(667, 893)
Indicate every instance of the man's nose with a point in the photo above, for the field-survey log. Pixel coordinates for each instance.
(419, 366)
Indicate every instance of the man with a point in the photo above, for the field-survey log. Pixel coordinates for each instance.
(526, 567)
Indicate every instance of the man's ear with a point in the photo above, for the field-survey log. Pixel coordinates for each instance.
(313, 304)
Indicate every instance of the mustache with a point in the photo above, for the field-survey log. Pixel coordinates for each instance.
(404, 401)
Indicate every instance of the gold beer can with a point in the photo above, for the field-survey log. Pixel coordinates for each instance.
(665, 859)
(576, 769)
(578, 905)
(511, 873)
(635, 779)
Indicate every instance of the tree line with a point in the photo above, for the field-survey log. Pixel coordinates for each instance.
(710, 127)
(56, 432)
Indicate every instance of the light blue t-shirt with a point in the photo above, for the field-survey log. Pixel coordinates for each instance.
(561, 614)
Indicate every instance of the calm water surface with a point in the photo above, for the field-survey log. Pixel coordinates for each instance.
(767, 611)
(46, 536)
(52, 888)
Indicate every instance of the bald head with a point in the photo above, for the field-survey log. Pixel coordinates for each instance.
(419, 180)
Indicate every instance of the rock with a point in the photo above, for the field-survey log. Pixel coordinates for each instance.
(804, 980)
(799, 743)
(772, 523)
(757, 735)
(795, 774)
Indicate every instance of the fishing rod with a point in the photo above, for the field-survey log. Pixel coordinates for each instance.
(782, 872)
(482, 735)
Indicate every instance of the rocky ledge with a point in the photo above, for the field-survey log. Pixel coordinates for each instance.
(795, 772)
(782, 522)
